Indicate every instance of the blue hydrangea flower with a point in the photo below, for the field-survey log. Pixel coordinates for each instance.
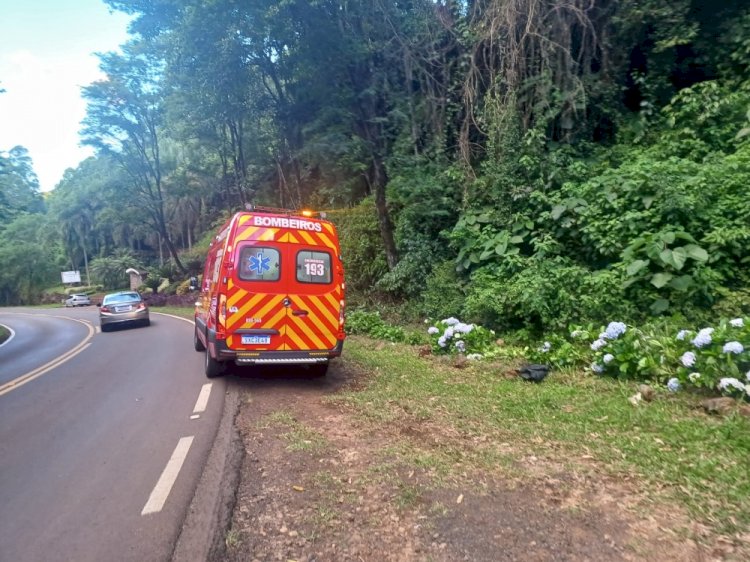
(460, 346)
(463, 328)
(737, 323)
(450, 321)
(576, 334)
(733, 347)
(703, 338)
(727, 382)
(448, 333)
(615, 330)
(694, 377)
(688, 359)
(598, 344)
(682, 334)
(432, 330)
(608, 358)
(673, 385)
(441, 341)
(545, 347)
(598, 369)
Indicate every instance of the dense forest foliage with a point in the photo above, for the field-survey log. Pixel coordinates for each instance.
(521, 163)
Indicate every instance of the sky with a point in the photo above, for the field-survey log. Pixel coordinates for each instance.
(46, 54)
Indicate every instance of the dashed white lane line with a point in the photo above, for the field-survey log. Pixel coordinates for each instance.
(167, 479)
(202, 402)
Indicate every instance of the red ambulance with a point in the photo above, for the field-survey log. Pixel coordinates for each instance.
(272, 292)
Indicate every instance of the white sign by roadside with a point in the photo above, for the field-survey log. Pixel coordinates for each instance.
(71, 276)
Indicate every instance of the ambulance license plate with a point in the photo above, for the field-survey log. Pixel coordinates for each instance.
(256, 340)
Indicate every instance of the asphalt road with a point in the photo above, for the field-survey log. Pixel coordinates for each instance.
(103, 437)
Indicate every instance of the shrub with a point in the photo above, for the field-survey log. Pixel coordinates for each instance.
(543, 295)
(451, 336)
(365, 323)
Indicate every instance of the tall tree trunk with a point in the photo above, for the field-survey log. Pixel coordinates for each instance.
(379, 181)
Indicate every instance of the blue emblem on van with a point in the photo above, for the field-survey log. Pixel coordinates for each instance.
(259, 263)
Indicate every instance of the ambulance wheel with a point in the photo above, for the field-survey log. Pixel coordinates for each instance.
(197, 343)
(319, 369)
(212, 367)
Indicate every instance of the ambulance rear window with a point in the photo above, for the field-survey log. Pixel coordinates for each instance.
(313, 267)
(259, 264)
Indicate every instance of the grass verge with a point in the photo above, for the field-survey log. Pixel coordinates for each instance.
(4, 334)
(181, 311)
(487, 420)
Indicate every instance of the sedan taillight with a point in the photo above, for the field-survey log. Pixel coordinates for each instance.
(104, 309)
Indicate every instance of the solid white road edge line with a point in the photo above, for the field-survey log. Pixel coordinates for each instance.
(12, 333)
(200, 405)
(167, 479)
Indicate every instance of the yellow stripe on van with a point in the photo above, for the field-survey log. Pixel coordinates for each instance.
(274, 302)
(324, 311)
(249, 305)
(309, 239)
(244, 219)
(269, 234)
(317, 342)
(327, 241)
(249, 232)
(292, 239)
(272, 323)
(314, 316)
(297, 341)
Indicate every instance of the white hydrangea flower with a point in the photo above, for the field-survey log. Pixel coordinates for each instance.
(727, 382)
(597, 368)
(474, 356)
(598, 344)
(673, 385)
(733, 347)
(688, 359)
(737, 322)
(608, 358)
(432, 330)
(682, 334)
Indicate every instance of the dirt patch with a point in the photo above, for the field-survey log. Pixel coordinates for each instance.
(318, 484)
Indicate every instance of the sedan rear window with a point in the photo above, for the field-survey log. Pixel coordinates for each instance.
(123, 297)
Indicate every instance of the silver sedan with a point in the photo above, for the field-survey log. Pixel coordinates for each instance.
(122, 308)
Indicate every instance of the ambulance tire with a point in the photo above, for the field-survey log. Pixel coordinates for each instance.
(318, 369)
(213, 367)
(197, 343)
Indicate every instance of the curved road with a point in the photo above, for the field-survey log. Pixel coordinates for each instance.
(103, 437)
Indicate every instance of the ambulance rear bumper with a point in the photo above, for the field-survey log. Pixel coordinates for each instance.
(308, 357)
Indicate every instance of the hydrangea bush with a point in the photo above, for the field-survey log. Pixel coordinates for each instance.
(709, 357)
(559, 351)
(716, 357)
(451, 336)
(626, 351)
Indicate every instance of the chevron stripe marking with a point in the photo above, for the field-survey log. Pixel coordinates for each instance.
(317, 304)
(309, 333)
(308, 238)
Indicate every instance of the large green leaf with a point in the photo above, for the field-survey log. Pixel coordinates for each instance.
(659, 306)
(696, 252)
(681, 283)
(636, 266)
(661, 279)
